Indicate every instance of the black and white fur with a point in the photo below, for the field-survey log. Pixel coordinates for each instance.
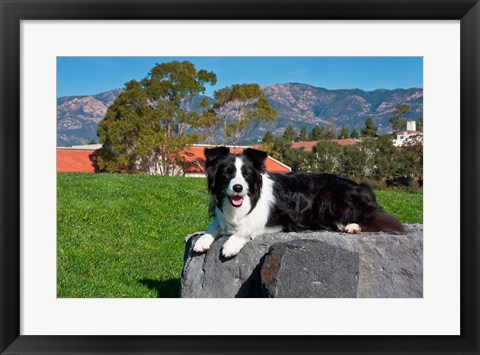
(249, 202)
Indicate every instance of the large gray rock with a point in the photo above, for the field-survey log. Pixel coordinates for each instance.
(389, 266)
(309, 268)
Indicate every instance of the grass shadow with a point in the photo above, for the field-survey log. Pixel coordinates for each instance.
(165, 289)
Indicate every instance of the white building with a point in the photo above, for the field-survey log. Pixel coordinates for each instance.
(411, 131)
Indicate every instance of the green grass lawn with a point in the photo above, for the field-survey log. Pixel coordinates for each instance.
(123, 235)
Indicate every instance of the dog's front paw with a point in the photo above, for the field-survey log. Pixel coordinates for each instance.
(233, 246)
(353, 228)
(203, 243)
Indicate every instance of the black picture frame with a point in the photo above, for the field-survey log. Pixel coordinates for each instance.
(14, 11)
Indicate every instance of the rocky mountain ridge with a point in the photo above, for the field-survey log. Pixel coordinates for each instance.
(78, 116)
(305, 105)
(296, 104)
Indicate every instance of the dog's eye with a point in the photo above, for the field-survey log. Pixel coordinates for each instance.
(228, 172)
(246, 172)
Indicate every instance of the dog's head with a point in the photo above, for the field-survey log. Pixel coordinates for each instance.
(234, 177)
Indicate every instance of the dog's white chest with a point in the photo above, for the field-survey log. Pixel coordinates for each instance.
(232, 218)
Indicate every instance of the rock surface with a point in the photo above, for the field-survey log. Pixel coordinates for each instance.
(309, 268)
(389, 266)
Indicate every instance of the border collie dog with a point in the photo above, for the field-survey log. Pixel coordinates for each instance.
(248, 202)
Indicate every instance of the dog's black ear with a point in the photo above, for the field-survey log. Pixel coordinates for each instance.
(257, 157)
(213, 154)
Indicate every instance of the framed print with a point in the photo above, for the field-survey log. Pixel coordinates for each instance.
(47, 307)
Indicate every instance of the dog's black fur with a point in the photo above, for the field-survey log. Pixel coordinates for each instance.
(302, 201)
(325, 201)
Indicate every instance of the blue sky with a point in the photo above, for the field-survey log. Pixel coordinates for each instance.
(92, 75)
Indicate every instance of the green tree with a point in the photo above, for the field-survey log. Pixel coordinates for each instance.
(354, 134)
(410, 159)
(314, 134)
(325, 157)
(401, 110)
(328, 134)
(209, 123)
(344, 134)
(317, 133)
(145, 128)
(370, 130)
(281, 149)
(268, 137)
(354, 162)
(381, 157)
(302, 136)
(289, 134)
(294, 158)
(420, 124)
(397, 122)
(241, 108)
(278, 148)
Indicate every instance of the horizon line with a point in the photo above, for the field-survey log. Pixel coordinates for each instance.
(262, 87)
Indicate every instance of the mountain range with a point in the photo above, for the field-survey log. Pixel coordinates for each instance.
(296, 104)
(78, 117)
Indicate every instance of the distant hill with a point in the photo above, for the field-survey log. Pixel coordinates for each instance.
(78, 116)
(296, 104)
(305, 105)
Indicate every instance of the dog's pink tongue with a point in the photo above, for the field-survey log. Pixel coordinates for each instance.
(236, 200)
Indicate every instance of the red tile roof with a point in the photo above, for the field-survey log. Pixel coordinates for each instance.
(196, 161)
(346, 141)
(308, 145)
(274, 166)
(75, 161)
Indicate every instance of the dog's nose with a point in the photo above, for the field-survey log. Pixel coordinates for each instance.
(237, 188)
